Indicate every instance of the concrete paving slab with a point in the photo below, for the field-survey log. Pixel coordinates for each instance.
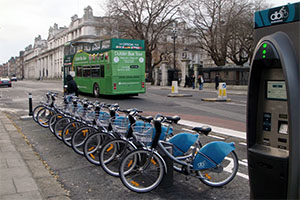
(6, 121)
(7, 148)
(5, 142)
(23, 196)
(38, 169)
(59, 198)
(50, 187)
(7, 187)
(3, 164)
(10, 127)
(5, 155)
(28, 155)
(4, 137)
(15, 162)
(25, 184)
(16, 172)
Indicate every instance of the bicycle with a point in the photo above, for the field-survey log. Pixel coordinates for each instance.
(114, 150)
(91, 128)
(75, 112)
(215, 164)
(76, 123)
(44, 102)
(45, 113)
(114, 127)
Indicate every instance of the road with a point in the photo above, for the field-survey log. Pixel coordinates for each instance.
(85, 181)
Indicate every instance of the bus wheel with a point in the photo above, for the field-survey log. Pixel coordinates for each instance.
(96, 90)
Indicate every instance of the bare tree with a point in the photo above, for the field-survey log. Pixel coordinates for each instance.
(147, 19)
(224, 28)
(240, 46)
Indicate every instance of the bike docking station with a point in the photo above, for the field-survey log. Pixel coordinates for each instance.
(175, 91)
(273, 105)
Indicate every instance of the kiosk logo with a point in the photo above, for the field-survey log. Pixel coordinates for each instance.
(277, 15)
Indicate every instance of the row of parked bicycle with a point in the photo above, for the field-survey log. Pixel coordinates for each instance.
(127, 145)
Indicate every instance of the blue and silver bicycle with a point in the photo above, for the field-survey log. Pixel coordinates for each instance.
(215, 164)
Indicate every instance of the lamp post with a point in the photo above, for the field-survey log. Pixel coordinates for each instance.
(174, 32)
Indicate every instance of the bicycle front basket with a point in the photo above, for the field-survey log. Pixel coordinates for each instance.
(119, 124)
(142, 133)
(103, 119)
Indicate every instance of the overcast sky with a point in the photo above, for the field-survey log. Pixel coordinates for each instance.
(23, 20)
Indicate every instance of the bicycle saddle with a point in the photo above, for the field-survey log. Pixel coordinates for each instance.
(204, 129)
(174, 119)
(147, 118)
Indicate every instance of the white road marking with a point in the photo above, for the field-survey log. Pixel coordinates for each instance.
(216, 137)
(243, 143)
(188, 130)
(223, 131)
(229, 167)
(236, 104)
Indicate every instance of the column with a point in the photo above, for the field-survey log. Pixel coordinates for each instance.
(164, 74)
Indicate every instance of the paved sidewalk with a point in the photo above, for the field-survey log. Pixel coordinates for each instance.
(22, 174)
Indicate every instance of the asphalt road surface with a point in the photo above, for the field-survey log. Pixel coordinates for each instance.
(86, 181)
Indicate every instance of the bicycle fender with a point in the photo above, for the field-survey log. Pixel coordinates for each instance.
(212, 154)
(182, 142)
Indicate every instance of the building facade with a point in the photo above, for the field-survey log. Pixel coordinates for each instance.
(44, 59)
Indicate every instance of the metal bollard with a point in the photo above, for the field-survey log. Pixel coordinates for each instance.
(30, 104)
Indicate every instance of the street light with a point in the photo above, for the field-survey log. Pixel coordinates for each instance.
(174, 32)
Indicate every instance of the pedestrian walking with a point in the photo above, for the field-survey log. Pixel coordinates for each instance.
(200, 81)
(193, 81)
(217, 81)
(72, 89)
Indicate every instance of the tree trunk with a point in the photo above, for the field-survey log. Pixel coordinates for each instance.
(149, 66)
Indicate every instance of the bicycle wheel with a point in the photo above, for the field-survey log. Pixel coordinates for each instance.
(141, 170)
(93, 144)
(79, 138)
(35, 112)
(59, 126)
(222, 174)
(53, 120)
(112, 153)
(69, 131)
(43, 117)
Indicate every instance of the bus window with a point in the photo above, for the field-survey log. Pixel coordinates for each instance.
(96, 46)
(86, 71)
(87, 47)
(73, 50)
(102, 71)
(79, 71)
(95, 70)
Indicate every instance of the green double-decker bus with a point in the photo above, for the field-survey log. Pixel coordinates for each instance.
(109, 67)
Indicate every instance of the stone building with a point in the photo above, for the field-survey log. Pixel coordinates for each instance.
(44, 59)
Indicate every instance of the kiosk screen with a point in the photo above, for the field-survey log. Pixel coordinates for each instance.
(276, 90)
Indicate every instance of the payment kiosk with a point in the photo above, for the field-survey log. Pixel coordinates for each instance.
(273, 105)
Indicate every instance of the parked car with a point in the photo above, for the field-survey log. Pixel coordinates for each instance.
(5, 82)
(13, 78)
